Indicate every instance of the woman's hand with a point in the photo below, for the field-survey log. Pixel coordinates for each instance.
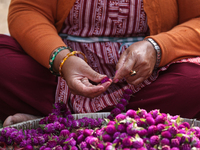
(140, 57)
(77, 74)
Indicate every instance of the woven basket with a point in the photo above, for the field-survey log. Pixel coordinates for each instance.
(33, 124)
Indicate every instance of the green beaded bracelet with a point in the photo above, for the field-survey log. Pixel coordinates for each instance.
(53, 56)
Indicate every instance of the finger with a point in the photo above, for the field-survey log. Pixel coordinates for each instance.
(125, 70)
(84, 90)
(122, 59)
(92, 75)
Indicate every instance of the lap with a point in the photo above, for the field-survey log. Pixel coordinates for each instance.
(26, 86)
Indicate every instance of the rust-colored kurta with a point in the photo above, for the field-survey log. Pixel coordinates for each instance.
(174, 25)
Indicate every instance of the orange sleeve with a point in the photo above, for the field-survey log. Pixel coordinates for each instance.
(183, 40)
(32, 24)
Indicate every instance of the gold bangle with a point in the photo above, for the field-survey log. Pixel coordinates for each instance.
(67, 56)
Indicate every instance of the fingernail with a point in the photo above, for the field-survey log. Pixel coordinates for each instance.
(116, 80)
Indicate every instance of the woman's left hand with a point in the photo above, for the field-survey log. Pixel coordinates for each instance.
(140, 57)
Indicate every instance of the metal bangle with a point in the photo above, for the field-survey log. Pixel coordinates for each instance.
(158, 52)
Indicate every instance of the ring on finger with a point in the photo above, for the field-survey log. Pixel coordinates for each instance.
(132, 72)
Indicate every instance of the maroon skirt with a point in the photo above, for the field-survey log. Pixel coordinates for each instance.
(28, 87)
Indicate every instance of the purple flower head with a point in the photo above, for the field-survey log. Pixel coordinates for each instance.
(105, 79)
(175, 148)
(47, 148)
(41, 140)
(126, 96)
(165, 141)
(123, 101)
(35, 141)
(56, 112)
(186, 147)
(49, 128)
(70, 117)
(112, 122)
(80, 138)
(83, 145)
(175, 142)
(52, 118)
(152, 130)
(126, 142)
(142, 113)
(128, 91)
(110, 129)
(173, 130)
(93, 141)
(120, 117)
(60, 106)
(42, 147)
(131, 113)
(165, 147)
(64, 133)
(70, 142)
(185, 138)
(141, 122)
(57, 125)
(100, 146)
(142, 132)
(123, 135)
(75, 124)
(87, 132)
(154, 140)
(150, 121)
(166, 134)
(74, 148)
(115, 112)
(186, 124)
(195, 141)
(14, 134)
(4, 131)
(131, 129)
(116, 134)
(160, 119)
(28, 147)
(160, 127)
(51, 143)
(138, 142)
(107, 138)
(117, 141)
(58, 147)
(23, 143)
(73, 135)
(121, 128)
(120, 106)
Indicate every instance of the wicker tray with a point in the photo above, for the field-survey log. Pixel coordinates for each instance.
(33, 124)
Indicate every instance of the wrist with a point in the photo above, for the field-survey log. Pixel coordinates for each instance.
(55, 56)
(158, 52)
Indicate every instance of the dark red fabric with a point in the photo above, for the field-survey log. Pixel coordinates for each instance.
(176, 91)
(26, 86)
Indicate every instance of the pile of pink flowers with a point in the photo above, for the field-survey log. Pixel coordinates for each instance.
(132, 130)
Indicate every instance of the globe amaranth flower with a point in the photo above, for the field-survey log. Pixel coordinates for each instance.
(51, 143)
(115, 111)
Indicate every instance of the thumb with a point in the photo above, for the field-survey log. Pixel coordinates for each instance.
(94, 76)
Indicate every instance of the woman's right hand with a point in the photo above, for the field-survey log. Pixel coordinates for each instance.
(77, 74)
